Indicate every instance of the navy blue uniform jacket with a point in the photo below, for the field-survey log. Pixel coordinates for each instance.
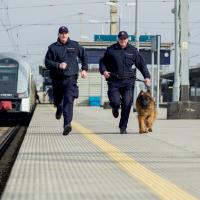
(121, 61)
(68, 53)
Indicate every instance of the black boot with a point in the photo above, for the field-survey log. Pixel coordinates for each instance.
(59, 112)
(67, 129)
(115, 112)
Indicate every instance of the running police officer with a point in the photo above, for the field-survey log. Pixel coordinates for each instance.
(61, 60)
(117, 67)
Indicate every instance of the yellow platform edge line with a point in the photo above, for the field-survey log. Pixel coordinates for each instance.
(161, 187)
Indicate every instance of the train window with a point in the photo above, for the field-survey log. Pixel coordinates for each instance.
(8, 74)
(8, 69)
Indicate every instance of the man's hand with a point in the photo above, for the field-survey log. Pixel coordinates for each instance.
(106, 74)
(83, 74)
(63, 65)
(147, 82)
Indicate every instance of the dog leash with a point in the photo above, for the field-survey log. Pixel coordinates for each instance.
(147, 87)
(135, 79)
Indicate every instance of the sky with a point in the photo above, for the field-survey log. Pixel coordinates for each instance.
(30, 26)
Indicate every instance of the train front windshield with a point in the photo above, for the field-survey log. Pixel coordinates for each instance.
(8, 77)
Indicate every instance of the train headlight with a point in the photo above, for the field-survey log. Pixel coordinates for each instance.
(22, 95)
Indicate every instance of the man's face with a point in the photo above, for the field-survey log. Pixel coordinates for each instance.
(123, 42)
(63, 37)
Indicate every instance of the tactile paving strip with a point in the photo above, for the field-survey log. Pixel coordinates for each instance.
(171, 151)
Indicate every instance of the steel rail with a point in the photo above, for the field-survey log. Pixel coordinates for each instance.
(8, 139)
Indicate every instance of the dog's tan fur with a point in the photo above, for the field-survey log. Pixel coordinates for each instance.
(146, 115)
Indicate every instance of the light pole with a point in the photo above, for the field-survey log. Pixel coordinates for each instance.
(136, 25)
(176, 86)
(137, 44)
(120, 11)
(81, 23)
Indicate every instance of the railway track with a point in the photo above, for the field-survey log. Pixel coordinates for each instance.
(7, 138)
(10, 142)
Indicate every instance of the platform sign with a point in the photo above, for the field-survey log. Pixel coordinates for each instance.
(114, 38)
(105, 38)
(146, 38)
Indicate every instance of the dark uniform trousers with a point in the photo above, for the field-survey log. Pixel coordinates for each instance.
(64, 93)
(120, 92)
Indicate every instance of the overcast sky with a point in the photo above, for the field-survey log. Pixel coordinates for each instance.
(33, 24)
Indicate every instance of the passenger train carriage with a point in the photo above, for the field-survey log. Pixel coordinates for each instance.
(17, 87)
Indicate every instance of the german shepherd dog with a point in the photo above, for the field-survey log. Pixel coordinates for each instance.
(146, 109)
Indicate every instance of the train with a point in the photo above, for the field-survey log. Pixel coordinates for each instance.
(17, 87)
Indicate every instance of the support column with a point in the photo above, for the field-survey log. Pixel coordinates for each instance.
(113, 18)
(184, 65)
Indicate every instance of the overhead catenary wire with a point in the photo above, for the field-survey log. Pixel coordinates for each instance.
(58, 5)
(86, 3)
(8, 28)
(56, 23)
(9, 33)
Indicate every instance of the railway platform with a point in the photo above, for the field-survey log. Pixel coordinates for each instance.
(95, 162)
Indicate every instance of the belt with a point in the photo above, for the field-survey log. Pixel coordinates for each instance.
(70, 77)
(118, 77)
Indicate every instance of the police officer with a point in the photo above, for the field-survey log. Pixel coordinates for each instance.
(61, 60)
(117, 67)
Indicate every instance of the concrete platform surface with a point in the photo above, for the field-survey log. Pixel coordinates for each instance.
(95, 162)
